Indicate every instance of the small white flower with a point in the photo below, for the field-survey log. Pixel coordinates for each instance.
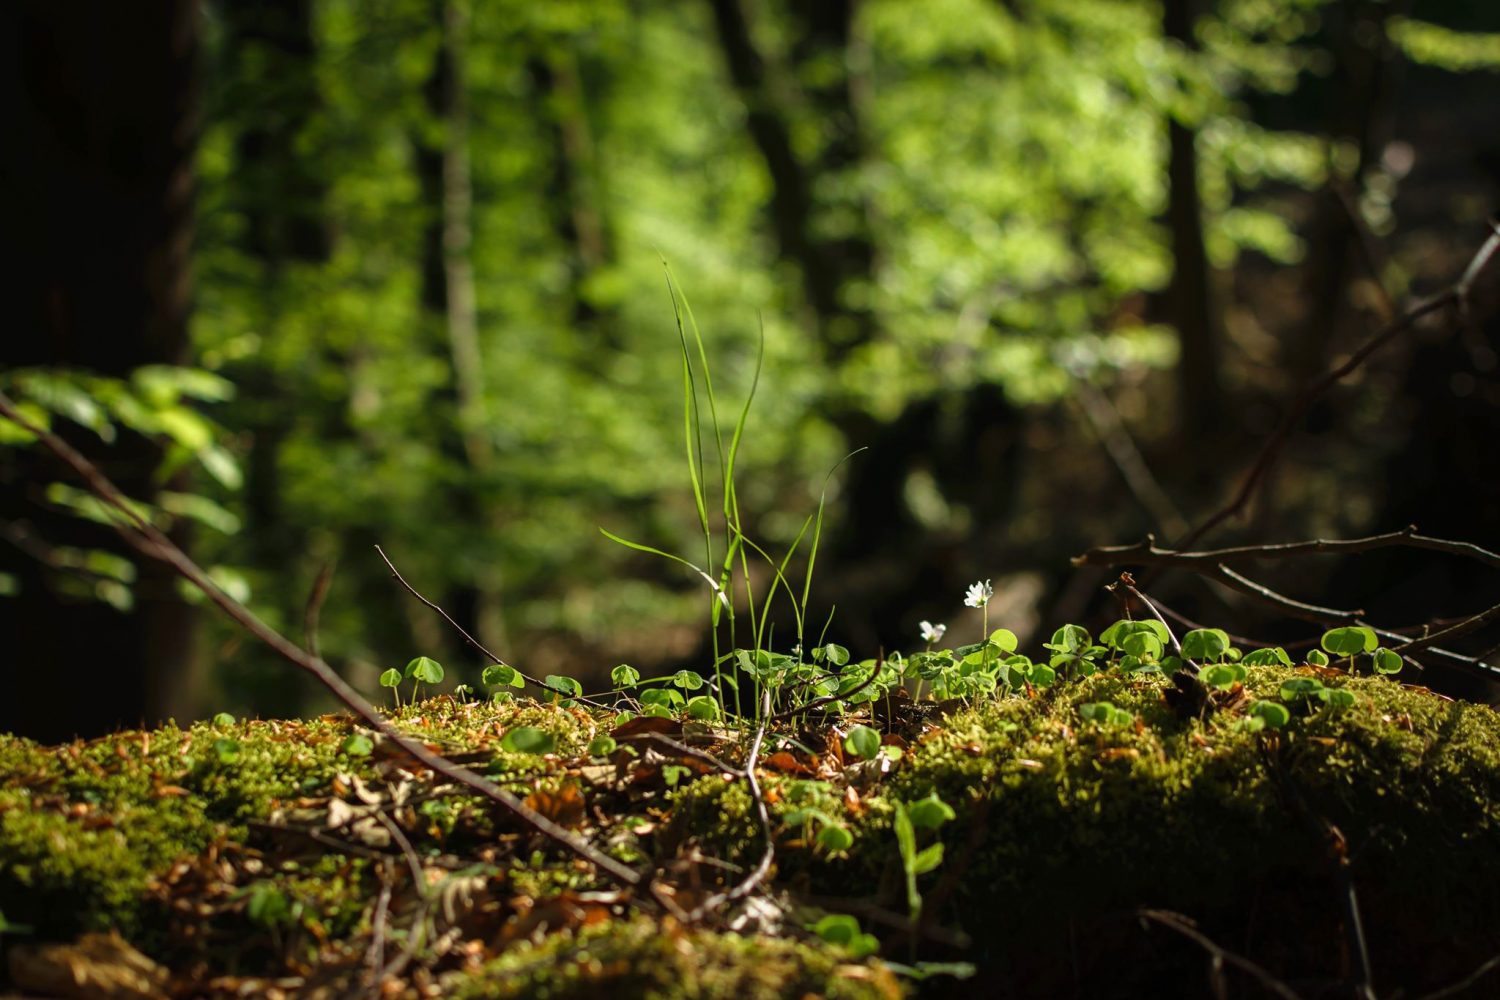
(932, 633)
(797, 650)
(979, 594)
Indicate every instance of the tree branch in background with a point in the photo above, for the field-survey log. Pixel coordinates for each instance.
(1220, 955)
(1107, 426)
(1456, 297)
(314, 608)
(151, 542)
(1213, 564)
(1147, 552)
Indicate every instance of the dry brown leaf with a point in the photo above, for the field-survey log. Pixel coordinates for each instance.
(565, 806)
(95, 967)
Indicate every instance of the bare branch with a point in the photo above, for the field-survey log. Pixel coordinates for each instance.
(314, 608)
(1148, 553)
(534, 682)
(1471, 624)
(1300, 609)
(1455, 297)
(1461, 987)
(1112, 433)
(758, 874)
(1182, 925)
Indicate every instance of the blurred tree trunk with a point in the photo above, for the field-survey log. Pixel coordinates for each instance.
(101, 188)
(448, 292)
(836, 262)
(1189, 299)
(574, 197)
(273, 95)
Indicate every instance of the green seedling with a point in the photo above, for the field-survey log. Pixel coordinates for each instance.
(358, 745)
(843, 930)
(863, 742)
(1206, 645)
(422, 670)
(529, 740)
(1350, 641)
(1105, 714)
(914, 862)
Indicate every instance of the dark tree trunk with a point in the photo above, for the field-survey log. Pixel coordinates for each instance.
(880, 549)
(100, 190)
(1359, 110)
(829, 264)
(1189, 299)
(449, 296)
(574, 200)
(272, 95)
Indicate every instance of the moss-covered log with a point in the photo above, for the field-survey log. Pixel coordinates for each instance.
(288, 852)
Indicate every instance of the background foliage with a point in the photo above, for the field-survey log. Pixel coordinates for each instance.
(976, 237)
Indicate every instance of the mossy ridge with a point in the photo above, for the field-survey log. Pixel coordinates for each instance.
(1063, 820)
(641, 958)
(1058, 817)
(85, 827)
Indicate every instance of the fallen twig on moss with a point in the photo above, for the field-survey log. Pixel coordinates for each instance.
(151, 542)
(750, 882)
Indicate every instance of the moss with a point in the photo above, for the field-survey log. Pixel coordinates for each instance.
(638, 958)
(1064, 827)
(1064, 822)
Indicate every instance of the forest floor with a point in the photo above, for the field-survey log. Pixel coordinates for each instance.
(1165, 847)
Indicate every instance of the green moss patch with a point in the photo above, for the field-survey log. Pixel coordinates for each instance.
(275, 849)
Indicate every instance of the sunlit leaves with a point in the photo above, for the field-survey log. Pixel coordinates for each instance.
(502, 675)
(1205, 644)
(424, 669)
(1350, 640)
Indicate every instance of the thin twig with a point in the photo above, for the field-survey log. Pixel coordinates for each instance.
(1301, 609)
(688, 751)
(375, 956)
(1471, 624)
(413, 863)
(1190, 624)
(1112, 433)
(1369, 248)
(1462, 986)
(1182, 925)
(748, 884)
(1456, 296)
(153, 543)
(534, 682)
(1148, 553)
